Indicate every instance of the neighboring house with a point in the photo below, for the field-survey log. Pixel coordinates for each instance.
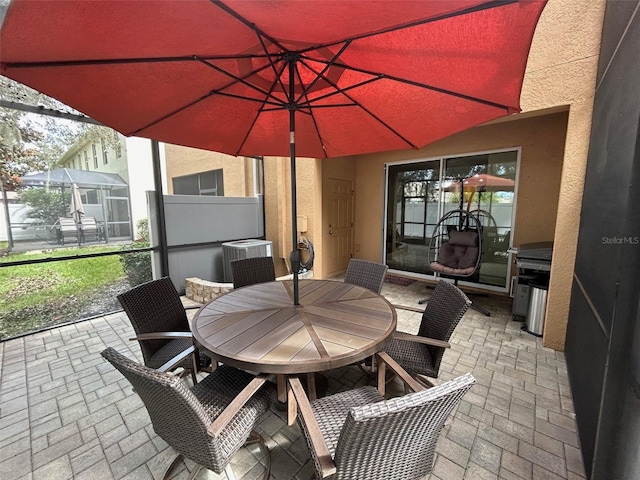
(131, 160)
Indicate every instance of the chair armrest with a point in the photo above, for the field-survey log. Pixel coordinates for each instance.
(316, 439)
(236, 404)
(193, 307)
(418, 339)
(408, 380)
(411, 309)
(162, 335)
(177, 359)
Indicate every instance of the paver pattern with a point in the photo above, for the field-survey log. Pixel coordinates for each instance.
(66, 413)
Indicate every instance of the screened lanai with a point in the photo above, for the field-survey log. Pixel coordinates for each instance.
(104, 197)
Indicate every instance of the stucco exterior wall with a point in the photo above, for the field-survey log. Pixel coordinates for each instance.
(237, 176)
(277, 197)
(562, 70)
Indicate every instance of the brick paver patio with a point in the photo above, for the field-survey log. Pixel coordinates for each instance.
(66, 413)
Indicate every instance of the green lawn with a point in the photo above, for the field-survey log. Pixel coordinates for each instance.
(38, 295)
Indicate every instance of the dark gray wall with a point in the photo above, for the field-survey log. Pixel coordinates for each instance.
(603, 363)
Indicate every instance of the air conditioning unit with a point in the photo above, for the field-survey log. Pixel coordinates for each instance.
(241, 249)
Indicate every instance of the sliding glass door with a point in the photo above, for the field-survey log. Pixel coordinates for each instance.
(420, 193)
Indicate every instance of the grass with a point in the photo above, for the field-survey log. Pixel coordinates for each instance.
(43, 294)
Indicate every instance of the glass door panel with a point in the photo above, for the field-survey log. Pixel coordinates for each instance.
(418, 195)
(412, 213)
(484, 185)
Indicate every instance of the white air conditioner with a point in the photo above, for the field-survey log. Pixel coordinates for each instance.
(241, 249)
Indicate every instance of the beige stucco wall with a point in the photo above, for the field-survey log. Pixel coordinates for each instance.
(237, 175)
(562, 70)
(277, 197)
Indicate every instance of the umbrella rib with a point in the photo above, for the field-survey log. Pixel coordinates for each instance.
(260, 110)
(164, 117)
(320, 74)
(425, 86)
(241, 80)
(125, 61)
(275, 101)
(278, 75)
(246, 22)
(369, 112)
(340, 91)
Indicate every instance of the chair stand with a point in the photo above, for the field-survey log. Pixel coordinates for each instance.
(474, 305)
(254, 437)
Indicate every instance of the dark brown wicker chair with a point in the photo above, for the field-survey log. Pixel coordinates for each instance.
(248, 271)
(366, 274)
(161, 325)
(207, 423)
(358, 434)
(421, 354)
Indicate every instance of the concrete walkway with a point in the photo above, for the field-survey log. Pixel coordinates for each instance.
(66, 413)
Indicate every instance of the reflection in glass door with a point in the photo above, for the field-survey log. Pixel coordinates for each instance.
(420, 193)
(412, 213)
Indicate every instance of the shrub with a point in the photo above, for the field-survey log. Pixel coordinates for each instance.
(137, 266)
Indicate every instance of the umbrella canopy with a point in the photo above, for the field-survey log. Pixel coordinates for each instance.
(76, 208)
(224, 76)
(252, 77)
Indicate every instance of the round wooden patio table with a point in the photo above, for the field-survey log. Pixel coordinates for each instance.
(258, 328)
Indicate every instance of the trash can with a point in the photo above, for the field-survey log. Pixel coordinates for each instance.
(534, 321)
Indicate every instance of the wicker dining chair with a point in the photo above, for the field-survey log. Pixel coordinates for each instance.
(366, 274)
(421, 354)
(248, 271)
(358, 434)
(161, 325)
(207, 423)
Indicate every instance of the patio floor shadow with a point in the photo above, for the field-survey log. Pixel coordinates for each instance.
(66, 413)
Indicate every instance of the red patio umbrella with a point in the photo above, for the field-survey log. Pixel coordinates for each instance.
(253, 77)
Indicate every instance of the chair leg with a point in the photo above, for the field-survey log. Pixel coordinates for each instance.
(195, 472)
(364, 370)
(173, 465)
(480, 308)
(255, 437)
(229, 472)
(424, 381)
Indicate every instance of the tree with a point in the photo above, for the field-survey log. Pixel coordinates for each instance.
(48, 204)
(31, 142)
(17, 152)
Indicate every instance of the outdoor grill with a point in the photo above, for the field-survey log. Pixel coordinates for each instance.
(534, 266)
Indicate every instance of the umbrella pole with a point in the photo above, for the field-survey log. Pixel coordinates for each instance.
(295, 252)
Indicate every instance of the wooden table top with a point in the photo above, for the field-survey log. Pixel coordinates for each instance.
(258, 328)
